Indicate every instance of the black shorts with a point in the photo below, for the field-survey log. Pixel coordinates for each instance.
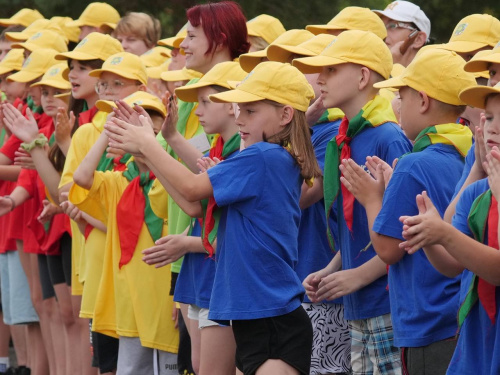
(66, 257)
(105, 352)
(173, 282)
(286, 337)
(45, 281)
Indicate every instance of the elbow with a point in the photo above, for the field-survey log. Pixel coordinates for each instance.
(191, 193)
(81, 180)
(388, 257)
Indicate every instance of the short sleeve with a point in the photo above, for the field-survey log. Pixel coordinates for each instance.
(10, 147)
(78, 148)
(239, 178)
(462, 210)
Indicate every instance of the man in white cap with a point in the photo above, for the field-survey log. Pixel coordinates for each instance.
(408, 29)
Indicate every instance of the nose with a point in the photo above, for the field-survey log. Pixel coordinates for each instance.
(321, 78)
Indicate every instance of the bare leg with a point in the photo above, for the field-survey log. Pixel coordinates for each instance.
(194, 334)
(71, 330)
(84, 337)
(217, 342)
(37, 357)
(19, 334)
(4, 343)
(276, 367)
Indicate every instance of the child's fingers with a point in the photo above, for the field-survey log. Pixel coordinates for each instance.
(163, 240)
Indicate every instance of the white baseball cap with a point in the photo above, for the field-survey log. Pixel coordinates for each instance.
(404, 11)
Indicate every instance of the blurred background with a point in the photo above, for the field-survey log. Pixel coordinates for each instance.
(444, 14)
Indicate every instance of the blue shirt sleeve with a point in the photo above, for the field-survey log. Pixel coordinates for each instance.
(469, 161)
(238, 179)
(464, 204)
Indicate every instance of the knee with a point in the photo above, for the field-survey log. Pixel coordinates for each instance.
(67, 315)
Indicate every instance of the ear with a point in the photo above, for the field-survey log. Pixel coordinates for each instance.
(425, 102)
(286, 115)
(142, 87)
(229, 108)
(364, 78)
(419, 41)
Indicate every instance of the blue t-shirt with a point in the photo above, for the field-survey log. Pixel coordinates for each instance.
(257, 239)
(314, 250)
(196, 277)
(423, 301)
(479, 341)
(469, 161)
(388, 142)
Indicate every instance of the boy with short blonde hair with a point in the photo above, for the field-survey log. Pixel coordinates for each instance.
(423, 302)
(355, 61)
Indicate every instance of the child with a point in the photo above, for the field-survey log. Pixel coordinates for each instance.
(424, 319)
(138, 32)
(195, 281)
(132, 301)
(96, 17)
(262, 31)
(450, 249)
(255, 284)
(114, 83)
(355, 61)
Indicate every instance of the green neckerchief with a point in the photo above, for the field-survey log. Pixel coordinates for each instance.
(375, 113)
(452, 134)
(107, 164)
(153, 222)
(211, 213)
(330, 115)
(477, 220)
(32, 106)
(184, 111)
(3, 135)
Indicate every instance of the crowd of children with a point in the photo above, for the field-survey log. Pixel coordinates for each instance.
(243, 199)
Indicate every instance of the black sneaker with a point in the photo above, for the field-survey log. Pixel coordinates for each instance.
(10, 371)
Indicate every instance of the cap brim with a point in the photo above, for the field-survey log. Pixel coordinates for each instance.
(105, 105)
(282, 53)
(392, 16)
(8, 22)
(176, 75)
(97, 73)
(154, 72)
(173, 42)
(235, 96)
(5, 69)
(474, 66)
(16, 36)
(53, 83)
(315, 64)
(63, 95)
(463, 46)
(395, 83)
(24, 76)
(476, 96)
(190, 93)
(75, 55)
(249, 61)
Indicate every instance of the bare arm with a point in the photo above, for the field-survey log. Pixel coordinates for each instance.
(84, 174)
(311, 195)
(47, 172)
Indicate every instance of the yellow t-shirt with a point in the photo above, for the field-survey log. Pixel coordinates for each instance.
(87, 259)
(132, 301)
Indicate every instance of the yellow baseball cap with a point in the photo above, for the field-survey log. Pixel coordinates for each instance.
(274, 81)
(481, 60)
(44, 39)
(474, 32)
(351, 46)
(219, 75)
(155, 72)
(140, 98)
(155, 56)
(72, 33)
(294, 37)
(175, 41)
(24, 17)
(13, 60)
(476, 96)
(183, 74)
(21, 36)
(53, 77)
(124, 64)
(96, 15)
(437, 72)
(35, 65)
(353, 18)
(266, 27)
(93, 46)
(311, 47)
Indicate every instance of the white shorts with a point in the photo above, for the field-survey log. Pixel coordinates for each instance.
(201, 315)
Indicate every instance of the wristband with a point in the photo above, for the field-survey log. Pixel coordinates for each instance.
(39, 141)
(12, 201)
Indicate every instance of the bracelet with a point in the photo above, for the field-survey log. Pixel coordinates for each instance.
(12, 200)
(39, 141)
